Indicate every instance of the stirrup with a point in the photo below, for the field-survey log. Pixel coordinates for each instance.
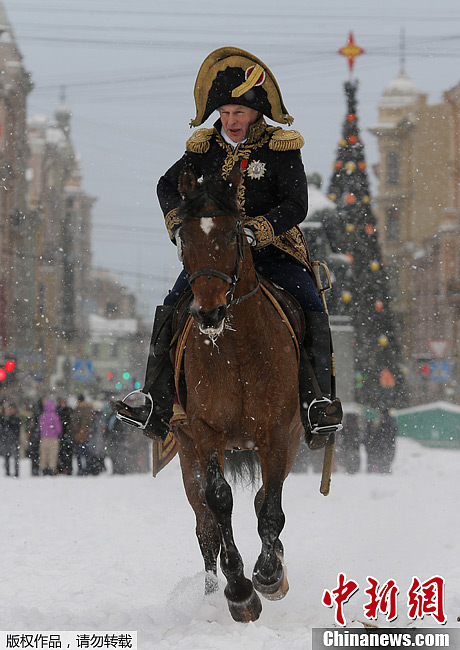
(326, 429)
(132, 421)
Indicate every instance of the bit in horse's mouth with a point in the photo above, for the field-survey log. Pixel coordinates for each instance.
(213, 331)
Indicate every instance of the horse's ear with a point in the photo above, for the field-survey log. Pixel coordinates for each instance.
(187, 181)
(234, 177)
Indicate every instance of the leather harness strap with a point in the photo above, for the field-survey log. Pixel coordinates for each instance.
(284, 318)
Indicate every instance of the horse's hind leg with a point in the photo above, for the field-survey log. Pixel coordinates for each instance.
(243, 602)
(269, 575)
(207, 531)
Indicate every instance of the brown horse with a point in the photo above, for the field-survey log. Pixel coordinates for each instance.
(241, 373)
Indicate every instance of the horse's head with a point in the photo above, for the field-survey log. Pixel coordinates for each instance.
(212, 244)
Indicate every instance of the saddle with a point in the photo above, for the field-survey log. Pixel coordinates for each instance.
(285, 304)
(289, 308)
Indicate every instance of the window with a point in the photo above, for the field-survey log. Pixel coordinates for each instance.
(41, 300)
(111, 308)
(392, 225)
(393, 168)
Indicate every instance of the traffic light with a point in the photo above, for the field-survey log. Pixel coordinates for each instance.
(7, 369)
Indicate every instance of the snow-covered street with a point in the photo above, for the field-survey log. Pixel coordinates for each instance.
(119, 552)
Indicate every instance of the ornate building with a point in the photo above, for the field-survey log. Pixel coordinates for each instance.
(418, 213)
(45, 229)
(63, 242)
(57, 315)
(17, 222)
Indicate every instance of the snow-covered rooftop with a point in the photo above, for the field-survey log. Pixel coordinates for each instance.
(442, 406)
(401, 91)
(55, 136)
(107, 327)
(318, 201)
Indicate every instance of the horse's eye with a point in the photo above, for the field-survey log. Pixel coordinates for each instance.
(232, 237)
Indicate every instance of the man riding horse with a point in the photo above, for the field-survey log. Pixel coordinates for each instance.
(273, 200)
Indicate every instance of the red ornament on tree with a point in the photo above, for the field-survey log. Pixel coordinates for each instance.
(350, 198)
(387, 379)
(378, 305)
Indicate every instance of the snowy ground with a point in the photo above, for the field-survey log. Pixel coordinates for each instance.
(119, 552)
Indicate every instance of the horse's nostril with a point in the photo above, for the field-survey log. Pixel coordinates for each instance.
(211, 318)
(221, 312)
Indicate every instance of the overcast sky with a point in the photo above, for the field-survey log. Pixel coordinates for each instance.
(129, 70)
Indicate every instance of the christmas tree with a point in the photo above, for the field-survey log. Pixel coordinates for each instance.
(365, 296)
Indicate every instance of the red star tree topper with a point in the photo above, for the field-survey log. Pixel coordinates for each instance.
(351, 51)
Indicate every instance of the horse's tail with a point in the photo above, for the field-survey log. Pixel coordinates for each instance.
(242, 467)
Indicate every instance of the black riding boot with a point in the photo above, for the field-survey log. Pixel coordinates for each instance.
(159, 381)
(320, 410)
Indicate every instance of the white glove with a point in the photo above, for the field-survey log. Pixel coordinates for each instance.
(178, 240)
(252, 241)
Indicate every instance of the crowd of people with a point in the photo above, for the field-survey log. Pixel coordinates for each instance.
(367, 445)
(70, 437)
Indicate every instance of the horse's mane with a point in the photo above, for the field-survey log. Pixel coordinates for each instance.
(210, 197)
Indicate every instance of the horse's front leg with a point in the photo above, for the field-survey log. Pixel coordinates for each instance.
(243, 602)
(269, 575)
(207, 531)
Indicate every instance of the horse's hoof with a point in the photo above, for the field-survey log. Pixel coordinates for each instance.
(247, 610)
(272, 590)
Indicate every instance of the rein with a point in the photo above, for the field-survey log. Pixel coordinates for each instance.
(232, 281)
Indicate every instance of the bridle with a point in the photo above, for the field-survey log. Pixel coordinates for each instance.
(233, 280)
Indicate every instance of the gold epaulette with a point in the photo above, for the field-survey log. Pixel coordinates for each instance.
(284, 140)
(199, 141)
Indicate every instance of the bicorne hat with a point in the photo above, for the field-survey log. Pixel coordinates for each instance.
(230, 75)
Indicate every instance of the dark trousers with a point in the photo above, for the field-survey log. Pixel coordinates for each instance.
(65, 454)
(12, 450)
(81, 454)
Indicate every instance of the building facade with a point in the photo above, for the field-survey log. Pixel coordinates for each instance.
(17, 222)
(62, 243)
(418, 214)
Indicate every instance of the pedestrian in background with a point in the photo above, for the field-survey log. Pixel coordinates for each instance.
(83, 419)
(12, 431)
(96, 440)
(2, 429)
(33, 435)
(66, 440)
(50, 429)
(381, 443)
